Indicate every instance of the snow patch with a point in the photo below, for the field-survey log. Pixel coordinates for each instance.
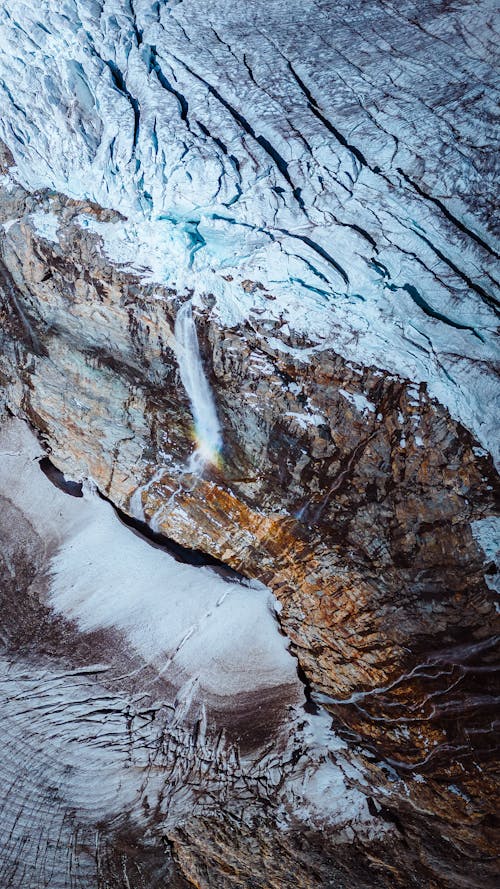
(360, 401)
(487, 534)
(188, 622)
(305, 420)
(46, 224)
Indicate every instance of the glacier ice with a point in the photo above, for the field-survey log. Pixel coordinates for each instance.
(267, 153)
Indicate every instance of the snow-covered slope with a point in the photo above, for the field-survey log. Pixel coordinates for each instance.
(137, 683)
(293, 159)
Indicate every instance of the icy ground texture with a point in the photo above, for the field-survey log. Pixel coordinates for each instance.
(146, 685)
(340, 155)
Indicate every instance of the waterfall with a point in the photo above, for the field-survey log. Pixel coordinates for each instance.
(206, 424)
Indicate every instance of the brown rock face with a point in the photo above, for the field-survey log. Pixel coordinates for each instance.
(346, 490)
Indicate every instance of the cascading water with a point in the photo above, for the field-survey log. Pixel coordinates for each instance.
(206, 423)
(207, 429)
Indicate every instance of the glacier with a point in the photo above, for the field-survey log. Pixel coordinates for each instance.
(233, 156)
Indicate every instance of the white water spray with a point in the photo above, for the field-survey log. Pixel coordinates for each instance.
(206, 423)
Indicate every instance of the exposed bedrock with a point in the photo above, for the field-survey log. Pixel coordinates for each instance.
(248, 288)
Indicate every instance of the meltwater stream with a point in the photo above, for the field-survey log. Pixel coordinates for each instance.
(207, 429)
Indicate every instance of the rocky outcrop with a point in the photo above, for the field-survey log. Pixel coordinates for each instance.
(353, 475)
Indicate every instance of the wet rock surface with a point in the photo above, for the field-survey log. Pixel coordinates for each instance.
(355, 476)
